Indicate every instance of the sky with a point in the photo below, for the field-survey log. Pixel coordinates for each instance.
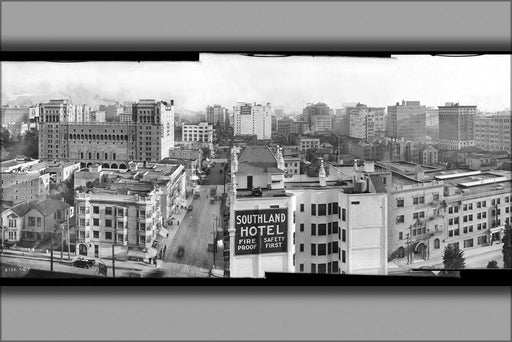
(288, 82)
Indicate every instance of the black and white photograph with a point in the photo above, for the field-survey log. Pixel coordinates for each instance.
(252, 166)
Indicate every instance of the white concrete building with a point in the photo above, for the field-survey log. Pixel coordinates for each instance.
(202, 132)
(254, 119)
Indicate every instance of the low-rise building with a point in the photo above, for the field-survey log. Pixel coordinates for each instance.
(24, 181)
(12, 222)
(44, 219)
(309, 143)
(429, 155)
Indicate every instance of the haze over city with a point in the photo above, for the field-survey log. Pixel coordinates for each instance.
(288, 82)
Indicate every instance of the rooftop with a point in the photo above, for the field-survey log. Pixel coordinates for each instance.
(49, 206)
(257, 159)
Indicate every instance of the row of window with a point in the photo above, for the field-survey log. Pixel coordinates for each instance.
(324, 229)
(322, 248)
(330, 267)
(322, 209)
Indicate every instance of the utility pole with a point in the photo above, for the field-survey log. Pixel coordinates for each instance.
(113, 262)
(51, 251)
(62, 243)
(68, 241)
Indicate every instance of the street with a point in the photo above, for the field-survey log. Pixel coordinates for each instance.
(194, 234)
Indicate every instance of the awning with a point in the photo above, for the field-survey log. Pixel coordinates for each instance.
(496, 229)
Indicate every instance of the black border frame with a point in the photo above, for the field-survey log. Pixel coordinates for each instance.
(467, 277)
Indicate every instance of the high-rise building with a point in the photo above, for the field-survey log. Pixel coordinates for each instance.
(253, 119)
(315, 226)
(379, 120)
(492, 133)
(407, 120)
(215, 114)
(148, 137)
(318, 117)
(456, 126)
(432, 117)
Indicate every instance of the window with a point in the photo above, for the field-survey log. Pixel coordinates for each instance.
(456, 232)
(301, 267)
(313, 229)
(437, 244)
(450, 233)
(470, 217)
(302, 207)
(95, 210)
(450, 210)
(302, 227)
(335, 227)
(31, 221)
(301, 247)
(329, 228)
(329, 208)
(482, 240)
(38, 222)
(344, 235)
(435, 197)
(465, 207)
(399, 203)
(400, 235)
(96, 234)
(450, 222)
(415, 200)
(108, 210)
(322, 249)
(108, 235)
(335, 247)
(470, 228)
(322, 229)
(343, 256)
(335, 208)
(313, 209)
(322, 210)
(456, 220)
(313, 268)
(456, 209)
(313, 249)
(478, 216)
(465, 218)
(335, 268)
(400, 219)
(465, 229)
(421, 199)
(478, 204)
(470, 206)
(484, 214)
(343, 214)
(95, 222)
(484, 204)
(108, 223)
(322, 268)
(468, 243)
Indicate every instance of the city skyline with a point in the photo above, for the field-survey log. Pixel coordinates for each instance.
(288, 82)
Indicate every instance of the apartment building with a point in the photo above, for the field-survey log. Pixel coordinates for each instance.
(318, 116)
(129, 220)
(216, 114)
(148, 137)
(24, 183)
(429, 155)
(492, 133)
(407, 120)
(309, 143)
(456, 126)
(332, 232)
(253, 119)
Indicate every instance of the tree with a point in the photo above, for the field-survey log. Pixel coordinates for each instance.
(507, 247)
(30, 144)
(492, 264)
(453, 258)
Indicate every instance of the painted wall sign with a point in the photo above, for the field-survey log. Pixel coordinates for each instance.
(261, 231)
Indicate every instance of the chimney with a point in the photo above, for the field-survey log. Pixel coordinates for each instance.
(321, 174)
(280, 159)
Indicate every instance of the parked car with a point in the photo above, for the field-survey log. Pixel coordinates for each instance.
(81, 263)
(190, 208)
(181, 251)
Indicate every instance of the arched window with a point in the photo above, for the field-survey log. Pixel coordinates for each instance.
(90, 155)
(70, 136)
(113, 156)
(81, 155)
(437, 244)
(97, 155)
(106, 155)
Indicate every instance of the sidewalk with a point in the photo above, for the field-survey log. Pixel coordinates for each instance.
(400, 265)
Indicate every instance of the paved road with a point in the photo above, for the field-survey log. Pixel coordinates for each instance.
(215, 177)
(195, 233)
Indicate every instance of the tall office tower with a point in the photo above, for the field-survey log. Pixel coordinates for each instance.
(407, 120)
(318, 117)
(249, 119)
(216, 113)
(456, 126)
(148, 137)
(361, 122)
(492, 133)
